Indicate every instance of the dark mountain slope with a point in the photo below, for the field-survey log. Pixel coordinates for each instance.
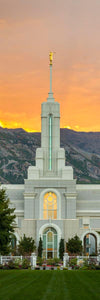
(18, 148)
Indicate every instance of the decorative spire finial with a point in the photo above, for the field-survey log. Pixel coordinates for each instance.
(50, 97)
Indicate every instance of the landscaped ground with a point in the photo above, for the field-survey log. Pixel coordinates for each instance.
(50, 285)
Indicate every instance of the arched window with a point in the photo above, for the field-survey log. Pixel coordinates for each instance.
(50, 206)
(90, 244)
(49, 243)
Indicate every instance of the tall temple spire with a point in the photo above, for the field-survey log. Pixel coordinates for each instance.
(50, 94)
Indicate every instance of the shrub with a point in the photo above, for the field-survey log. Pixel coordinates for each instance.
(40, 248)
(40, 261)
(91, 267)
(26, 245)
(93, 254)
(86, 263)
(11, 264)
(73, 262)
(76, 267)
(74, 245)
(84, 268)
(18, 263)
(25, 263)
(37, 268)
(56, 261)
(50, 262)
(7, 218)
(61, 249)
(1, 267)
(5, 267)
(97, 267)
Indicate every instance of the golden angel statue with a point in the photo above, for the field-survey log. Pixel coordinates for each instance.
(51, 57)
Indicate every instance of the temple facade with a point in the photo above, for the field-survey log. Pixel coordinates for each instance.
(50, 203)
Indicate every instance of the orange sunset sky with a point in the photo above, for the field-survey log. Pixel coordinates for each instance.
(29, 30)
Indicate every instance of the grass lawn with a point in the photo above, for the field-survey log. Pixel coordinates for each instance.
(50, 285)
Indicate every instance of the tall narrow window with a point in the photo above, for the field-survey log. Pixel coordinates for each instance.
(50, 206)
(50, 142)
(50, 243)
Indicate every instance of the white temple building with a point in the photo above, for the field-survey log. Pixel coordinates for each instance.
(50, 203)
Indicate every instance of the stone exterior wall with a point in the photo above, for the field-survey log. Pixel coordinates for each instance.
(29, 219)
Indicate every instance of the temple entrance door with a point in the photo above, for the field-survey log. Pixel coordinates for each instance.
(49, 243)
(49, 255)
(90, 244)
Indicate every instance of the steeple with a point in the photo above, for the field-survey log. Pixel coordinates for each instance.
(50, 94)
(50, 158)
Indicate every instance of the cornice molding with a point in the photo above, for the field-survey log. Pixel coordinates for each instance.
(70, 195)
(30, 195)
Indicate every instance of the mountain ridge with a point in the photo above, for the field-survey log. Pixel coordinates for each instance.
(18, 148)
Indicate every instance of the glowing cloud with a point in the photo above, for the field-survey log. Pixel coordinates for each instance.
(1, 124)
(68, 127)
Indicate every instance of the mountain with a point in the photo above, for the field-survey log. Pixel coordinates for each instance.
(18, 148)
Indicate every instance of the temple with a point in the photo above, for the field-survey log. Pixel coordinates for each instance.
(50, 203)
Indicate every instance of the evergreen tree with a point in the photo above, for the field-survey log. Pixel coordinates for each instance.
(7, 218)
(40, 247)
(74, 245)
(61, 249)
(26, 245)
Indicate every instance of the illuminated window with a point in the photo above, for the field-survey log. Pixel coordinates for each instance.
(50, 206)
